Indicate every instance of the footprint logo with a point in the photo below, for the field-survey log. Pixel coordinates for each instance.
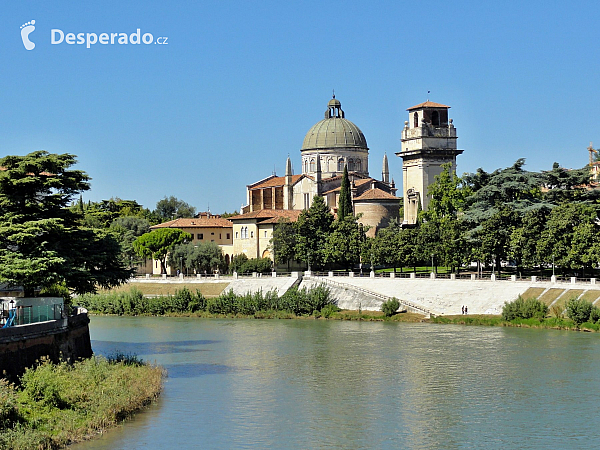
(26, 30)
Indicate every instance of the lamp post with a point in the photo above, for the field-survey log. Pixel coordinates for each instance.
(432, 263)
(552, 265)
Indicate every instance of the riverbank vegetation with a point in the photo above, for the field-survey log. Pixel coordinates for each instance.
(295, 303)
(57, 404)
(574, 314)
(316, 301)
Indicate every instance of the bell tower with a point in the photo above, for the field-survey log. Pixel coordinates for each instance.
(428, 141)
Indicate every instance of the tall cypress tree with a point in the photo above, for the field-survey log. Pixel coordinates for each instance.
(345, 201)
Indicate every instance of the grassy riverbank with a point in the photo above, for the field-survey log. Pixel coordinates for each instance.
(58, 404)
(556, 323)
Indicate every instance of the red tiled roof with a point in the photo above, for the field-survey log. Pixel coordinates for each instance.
(273, 182)
(358, 183)
(269, 215)
(375, 194)
(428, 104)
(211, 222)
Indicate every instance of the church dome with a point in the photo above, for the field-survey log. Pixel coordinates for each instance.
(335, 131)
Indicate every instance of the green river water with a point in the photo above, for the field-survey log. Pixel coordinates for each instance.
(315, 384)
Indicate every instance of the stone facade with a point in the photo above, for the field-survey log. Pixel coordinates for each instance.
(253, 231)
(428, 142)
(206, 227)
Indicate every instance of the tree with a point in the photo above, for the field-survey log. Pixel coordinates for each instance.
(566, 185)
(284, 241)
(493, 236)
(172, 208)
(314, 224)
(41, 240)
(447, 195)
(343, 244)
(345, 201)
(203, 257)
(158, 243)
(571, 237)
(127, 229)
(513, 188)
(237, 262)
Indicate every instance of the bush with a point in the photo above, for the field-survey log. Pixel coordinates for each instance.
(329, 310)
(580, 311)
(259, 265)
(390, 307)
(531, 308)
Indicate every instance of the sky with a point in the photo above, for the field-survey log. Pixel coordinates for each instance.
(232, 90)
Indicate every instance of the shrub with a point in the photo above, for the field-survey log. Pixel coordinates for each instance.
(579, 311)
(259, 265)
(329, 310)
(390, 307)
(531, 308)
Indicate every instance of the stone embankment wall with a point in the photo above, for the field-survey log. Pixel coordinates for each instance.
(64, 339)
(446, 297)
(439, 296)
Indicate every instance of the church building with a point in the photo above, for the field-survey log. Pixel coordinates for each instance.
(330, 145)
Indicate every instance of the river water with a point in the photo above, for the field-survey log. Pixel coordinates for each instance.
(315, 384)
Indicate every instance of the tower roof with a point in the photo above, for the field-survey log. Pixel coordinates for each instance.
(428, 104)
(335, 131)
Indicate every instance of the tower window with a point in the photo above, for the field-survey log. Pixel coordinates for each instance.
(435, 118)
(416, 116)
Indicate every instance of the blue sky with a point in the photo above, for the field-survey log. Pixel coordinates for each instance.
(240, 83)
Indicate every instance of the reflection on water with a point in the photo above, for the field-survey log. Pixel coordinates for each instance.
(107, 348)
(329, 384)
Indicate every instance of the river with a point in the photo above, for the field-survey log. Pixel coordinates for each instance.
(316, 384)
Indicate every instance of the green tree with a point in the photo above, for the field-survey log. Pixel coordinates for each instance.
(237, 262)
(284, 241)
(204, 256)
(314, 224)
(158, 243)
(564, 185)
(343, 244)
(571, 237)
(494, 234)
(345, 200)
(447, 195)
(170, 208)
(41, 240)
(127, 229)
(513, 188)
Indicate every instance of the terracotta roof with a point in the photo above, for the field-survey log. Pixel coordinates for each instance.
(358, 183)
(375, 194)
(269, 215)
(273, 182)
(212, 222)
(428, 104)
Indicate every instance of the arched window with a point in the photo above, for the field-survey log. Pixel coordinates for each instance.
(358, 165)
(351, 164)
(435, 118)
(340, 165)
(416, 116)
(313, 165)
(305, 166)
